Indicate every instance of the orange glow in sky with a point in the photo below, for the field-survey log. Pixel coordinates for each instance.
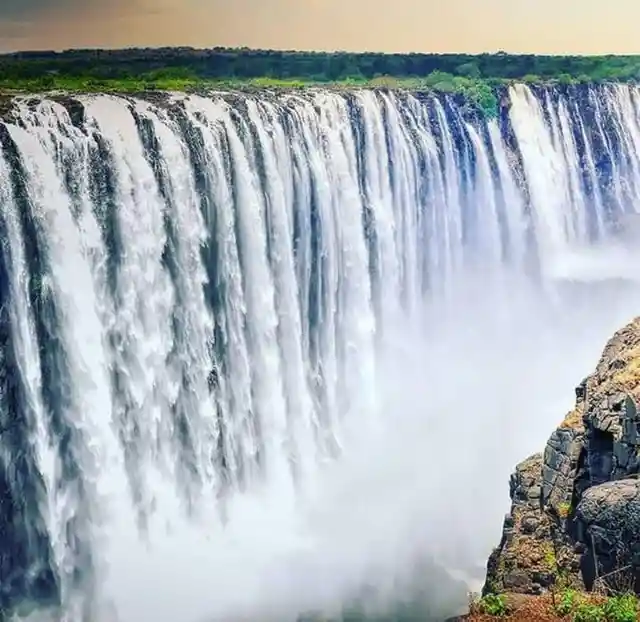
(540, 26)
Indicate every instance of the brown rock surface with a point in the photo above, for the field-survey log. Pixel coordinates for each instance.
(533, 544)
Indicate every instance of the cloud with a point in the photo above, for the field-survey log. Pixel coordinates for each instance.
(60, 24)
(37, 10)
(63, 24)
(27, 8)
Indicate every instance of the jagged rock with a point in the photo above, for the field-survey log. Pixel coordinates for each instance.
(562, 457)
(611, 413)
(74, 107)
(525, 562)
(575, 505)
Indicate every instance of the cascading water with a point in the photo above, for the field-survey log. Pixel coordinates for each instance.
(252, 343)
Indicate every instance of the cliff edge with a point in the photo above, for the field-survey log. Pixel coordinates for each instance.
(575, 512)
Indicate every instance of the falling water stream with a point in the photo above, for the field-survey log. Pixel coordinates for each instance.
(260, 350)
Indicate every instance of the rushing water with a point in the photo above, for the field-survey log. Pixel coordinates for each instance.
(258, 349)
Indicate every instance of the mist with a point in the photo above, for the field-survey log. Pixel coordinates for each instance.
(410, 510)
(465, 391)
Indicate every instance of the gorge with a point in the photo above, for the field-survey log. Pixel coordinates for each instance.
(261, 348)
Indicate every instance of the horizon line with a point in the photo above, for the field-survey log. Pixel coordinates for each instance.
(303, 51)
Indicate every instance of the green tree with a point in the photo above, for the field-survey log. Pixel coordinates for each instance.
(469, 70)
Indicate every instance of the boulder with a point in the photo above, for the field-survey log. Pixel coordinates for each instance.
(608, 518)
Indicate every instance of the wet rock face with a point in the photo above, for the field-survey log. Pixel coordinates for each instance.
(578, 504)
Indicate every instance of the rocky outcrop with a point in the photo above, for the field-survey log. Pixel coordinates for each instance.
(534, 543)
(519, 564)
(575, 514)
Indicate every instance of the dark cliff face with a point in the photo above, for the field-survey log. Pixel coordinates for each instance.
(575, 511)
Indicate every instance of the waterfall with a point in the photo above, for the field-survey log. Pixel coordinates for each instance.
(258, 337)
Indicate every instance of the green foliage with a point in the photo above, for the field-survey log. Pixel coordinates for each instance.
(493, 605)
(623, 608)
(441, 81)
(469, 70)
(567, 602)
(485, 98)
(388, 82)
(564, 509)
(565, 78)
(243, 64)
(275, 83)
(588, 612)
(550, 560)
(475, 77)
(479, 92)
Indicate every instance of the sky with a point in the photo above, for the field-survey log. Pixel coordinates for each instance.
(528, 26)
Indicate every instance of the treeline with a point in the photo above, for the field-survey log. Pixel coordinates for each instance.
(245, 64)
(477, 78)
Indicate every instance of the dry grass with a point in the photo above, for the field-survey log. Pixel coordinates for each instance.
(573, 420)
(628, 378)
(529, 552)
(525, 608)
(619, 366)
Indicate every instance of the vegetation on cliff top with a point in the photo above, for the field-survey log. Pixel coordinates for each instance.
(477, 91)
(184, 69)
(567, 606)
(244, 64)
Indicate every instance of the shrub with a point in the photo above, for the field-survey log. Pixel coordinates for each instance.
(485, 98)
(623, 608)
(565, 78)
(564, 509)
(388, 82)
(470, 70)
(568, 601)
(493, 605)
(588, 612)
